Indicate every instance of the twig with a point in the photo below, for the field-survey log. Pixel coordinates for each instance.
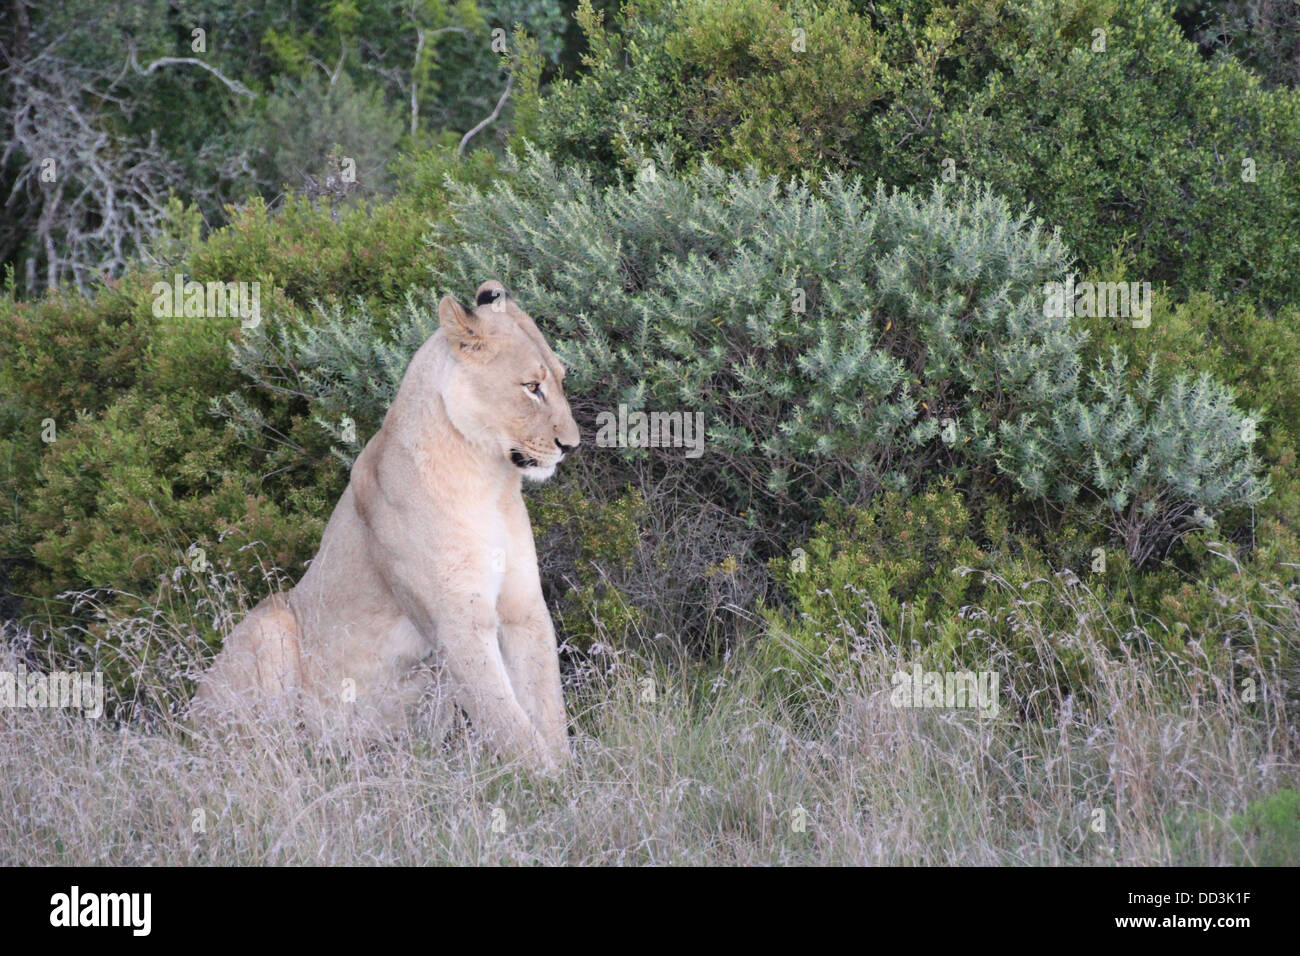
(234, 85)
(491, 117)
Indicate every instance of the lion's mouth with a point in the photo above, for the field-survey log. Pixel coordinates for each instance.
(521, 460)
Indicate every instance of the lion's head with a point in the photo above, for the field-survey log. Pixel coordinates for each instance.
(504, 391)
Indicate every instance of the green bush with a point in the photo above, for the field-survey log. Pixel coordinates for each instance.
(125, 497)
(374, 251)
(125, 492)
(586, 548)
(759, 76)
(1144, 146)
(951, 589)
(834, 344)
(893, 567)
(60, 356)
(837, 343)
(143, 466)
(306, 120)
(947, 591)
(1162, 463)
(1272, 826)
(1258, 355)
(822, 339)
(1140, 146)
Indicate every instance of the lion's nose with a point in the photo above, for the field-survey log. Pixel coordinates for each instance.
(565, 449)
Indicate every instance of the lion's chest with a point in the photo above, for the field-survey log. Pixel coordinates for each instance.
(497, 557)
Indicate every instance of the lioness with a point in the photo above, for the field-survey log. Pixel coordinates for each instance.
(427, 565)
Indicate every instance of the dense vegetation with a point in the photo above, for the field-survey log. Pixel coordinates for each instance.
(827, 226)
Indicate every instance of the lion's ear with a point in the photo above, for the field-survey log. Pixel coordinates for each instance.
(490, 292)
(459, 325)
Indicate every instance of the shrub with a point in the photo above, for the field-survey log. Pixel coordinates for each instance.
(1258, 355)
(126, 494)
(953, 590)
(1271, 825)
(590, 546)
(1143, 146)
(1162, 463)
(373, 251)
(1140, 146)
(928, 576)
(304, 121)
(142, 469)
(892, 567)
(837, 343)
(834, 344)
(760, 78)
(60, 356)
(922, 349)
(119, 521)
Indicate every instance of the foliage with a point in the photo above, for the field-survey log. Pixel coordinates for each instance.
(836, 344)
(1271, 825)
(60, 357)
(311, 130)
(141, 468)
(1263, 34)
(126, 491)
(218, 102)
(590, 545)
(950, 588)
(1128, 139)
(1163, 463)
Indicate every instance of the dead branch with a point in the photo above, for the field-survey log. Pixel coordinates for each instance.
(233, 85)
(491, 117)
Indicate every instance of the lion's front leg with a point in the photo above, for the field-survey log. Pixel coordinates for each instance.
(465, 633)
(528, 642)
(528, 648)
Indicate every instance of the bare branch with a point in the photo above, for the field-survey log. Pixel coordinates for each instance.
(421, 35)
(234, 85)
(415, 78)
(510, 79)
(107, 198)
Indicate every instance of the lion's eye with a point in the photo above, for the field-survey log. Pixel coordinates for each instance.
(534, 388)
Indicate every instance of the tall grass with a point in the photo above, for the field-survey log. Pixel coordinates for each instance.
(677, 762)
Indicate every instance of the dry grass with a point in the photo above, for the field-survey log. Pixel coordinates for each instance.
(712, 770)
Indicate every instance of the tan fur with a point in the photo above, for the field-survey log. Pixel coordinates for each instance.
(427, 565)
